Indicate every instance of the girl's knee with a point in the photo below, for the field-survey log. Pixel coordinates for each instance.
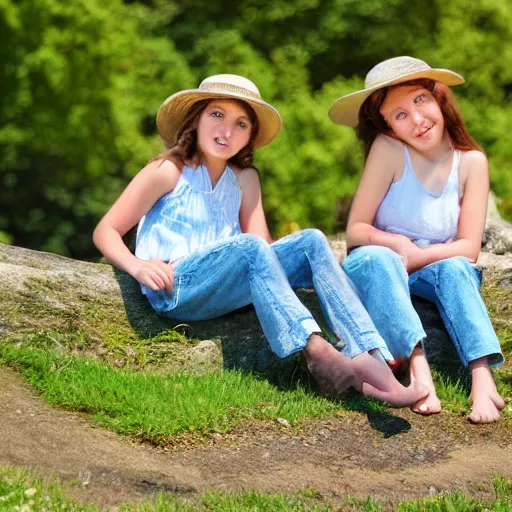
(247, 240)
(456, 265)
(458, 270)
(375, 256)
(252, 244)
(305, 240)
(376, 264)
(314, 237)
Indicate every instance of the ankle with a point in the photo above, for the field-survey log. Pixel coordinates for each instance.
(417, 351)
(480, 365)
(315, 346)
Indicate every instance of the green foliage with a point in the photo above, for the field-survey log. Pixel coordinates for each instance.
(155, 407)
(82, 81)
(78, 87)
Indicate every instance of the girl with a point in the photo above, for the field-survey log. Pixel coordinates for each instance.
(417, 221)
(203, 246)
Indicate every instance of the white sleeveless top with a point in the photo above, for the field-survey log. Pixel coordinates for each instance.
(408, 209)
(191, 217)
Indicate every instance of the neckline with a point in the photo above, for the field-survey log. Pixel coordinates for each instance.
(204, 169)
(455, 163)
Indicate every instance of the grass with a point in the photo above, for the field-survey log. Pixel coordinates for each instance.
(23, 492)
(20, 490)
(156, 406)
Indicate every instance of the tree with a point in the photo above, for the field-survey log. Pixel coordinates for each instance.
(77, 89)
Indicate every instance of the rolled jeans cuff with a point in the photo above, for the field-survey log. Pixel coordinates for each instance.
(367, 342)
(300, 334)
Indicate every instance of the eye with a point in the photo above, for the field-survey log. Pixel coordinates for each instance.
(243, 124)
(400, 116)
(216, 113)
(420, 98)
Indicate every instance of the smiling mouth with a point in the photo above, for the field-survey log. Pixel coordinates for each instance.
(221, 141)
(422, 134)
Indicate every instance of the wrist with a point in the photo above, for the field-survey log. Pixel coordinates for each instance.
(133, 267)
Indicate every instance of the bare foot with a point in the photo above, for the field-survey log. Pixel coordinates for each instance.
(487, 403)
(420, 372)
(332, 371)
(335, 373)
(377, 380)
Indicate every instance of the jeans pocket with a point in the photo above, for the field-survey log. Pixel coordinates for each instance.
(161, 300)
(174, 298)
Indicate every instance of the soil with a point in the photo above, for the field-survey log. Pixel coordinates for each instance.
(389, 456)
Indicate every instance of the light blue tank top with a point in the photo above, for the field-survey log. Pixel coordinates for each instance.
(191, 217)
(408, 209)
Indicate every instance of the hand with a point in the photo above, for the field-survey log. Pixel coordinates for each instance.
(407, 250)
(156, 274)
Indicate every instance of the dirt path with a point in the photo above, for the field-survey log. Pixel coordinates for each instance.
(389, 457)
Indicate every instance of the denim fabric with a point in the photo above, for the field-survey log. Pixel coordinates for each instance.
(309, 262)
(245, 269)
(452, 284)
(191, 217)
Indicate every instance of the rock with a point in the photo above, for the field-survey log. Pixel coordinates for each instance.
(205, 346)
(498, 232)
(94, 307)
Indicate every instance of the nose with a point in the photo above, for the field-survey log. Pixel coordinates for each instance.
(226, 130)
(418, 116)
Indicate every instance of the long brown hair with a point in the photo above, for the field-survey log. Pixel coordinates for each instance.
(371, 122)
(185, 148)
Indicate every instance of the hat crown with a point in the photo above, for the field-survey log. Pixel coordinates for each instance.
(172, 113)
(394, 69)
(227, 83)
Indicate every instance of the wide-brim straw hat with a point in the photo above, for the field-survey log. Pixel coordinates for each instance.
(172, 113)
(345, 110)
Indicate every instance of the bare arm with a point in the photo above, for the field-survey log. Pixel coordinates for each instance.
(384, 161)
(252, 216)
(152, 182)
(471, 220)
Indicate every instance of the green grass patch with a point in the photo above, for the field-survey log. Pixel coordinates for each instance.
(127, 351)
(21, 490)
(452, 392)
(457, 501)
(155, 407)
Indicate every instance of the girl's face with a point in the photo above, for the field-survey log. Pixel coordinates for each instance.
(223, 129)
(414, 116)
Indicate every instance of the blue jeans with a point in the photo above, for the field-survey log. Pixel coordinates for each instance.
(246, 270)
(453, 284)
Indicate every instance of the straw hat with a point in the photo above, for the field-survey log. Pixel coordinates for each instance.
(345, 110)
(175, 108)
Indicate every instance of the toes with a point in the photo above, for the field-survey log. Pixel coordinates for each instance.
(421, 409)
(478, 418)
(397, 396)
(427, 406)
(498, 401)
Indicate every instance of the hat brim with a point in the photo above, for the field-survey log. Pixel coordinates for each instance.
(345, 110)
(175, 108)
